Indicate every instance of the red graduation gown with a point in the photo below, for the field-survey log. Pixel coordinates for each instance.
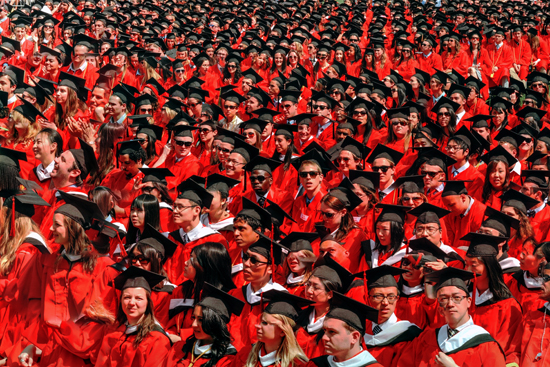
(311, 343)
(323, 361)
(459, 226)
(118, 349)
(541, 224)
(116, 180)
(180, 310)
(428, 64)
(532, 342)
(502, 320)
(482, 351)
(89, 73)
(306, 215)
(285, 180)
(182, 170)
(528, 297)
(410, 307)
(242, 328)
(502, 59)
(474, 188)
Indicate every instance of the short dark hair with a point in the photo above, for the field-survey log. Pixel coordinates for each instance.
(54, 137)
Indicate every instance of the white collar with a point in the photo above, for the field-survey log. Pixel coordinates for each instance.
(499, 45)
(81, 68)
(291, 279)
(200, 349)
(180, 158)
(315, 326)
(412, 290)
(461, 169)
(517, 168)
(199, 231)
(386, 324)
(459, 116)
(536, 210)
(547, 305)
(120, 121)
(258, 197)
(44, 173)
(509, 262)
(388, 189)
(255, 297)
(71, 257)
(484, 297)
(216, 226)
(269, 359)
(469, 207)
(532, 282)
(428, 55)
(439, 188)
(445, 248)
(12, 99)
(362, 359)
(467, 332)
(130, 329)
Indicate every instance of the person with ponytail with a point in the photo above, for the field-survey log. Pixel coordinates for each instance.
(285, 176)
(210, 345)
(494, 309)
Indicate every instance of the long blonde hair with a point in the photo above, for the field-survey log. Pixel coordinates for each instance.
(8, 244)
(32, 129)
(288, 351)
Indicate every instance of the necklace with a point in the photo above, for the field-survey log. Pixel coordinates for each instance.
(193, 358)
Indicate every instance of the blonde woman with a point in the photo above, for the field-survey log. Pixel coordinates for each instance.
(299, 261)
(147, 71)
(23, 127)
(400, 130)
(277, 345)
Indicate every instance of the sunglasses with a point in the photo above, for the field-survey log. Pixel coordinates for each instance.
(322, 56)
(231, 66)
(306, 174)
(446, 114)
(227, 107)
(180, 71)
(205, 131)
(430, 174)
(407, 199)
(182, 143)
(384, 169)
(402, 123)
(359, 113)
(142, 260)
(193, 105)
(318, 107)
(260, 179)
(286, 106)
(327, 215)
(253, 260)
(224, 150)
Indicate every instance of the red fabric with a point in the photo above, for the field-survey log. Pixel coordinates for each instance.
(458, 226)
(535, 339)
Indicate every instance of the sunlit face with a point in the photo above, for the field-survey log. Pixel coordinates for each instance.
(385, 307)
(128, 166)
(252, 104)
(59, 230)
(317, 292)
(234, 165)
(255, 267)
(137, 217)
(347, 162)
(310, 176)
(497, 177)
(528, 259)
(62, 94)
(244, 234)
(453, 312)
(268, 330)
(64, 165)
(189, 272)
(134, 304)
(282, 143)
(337, 339)
(386, 169)
(444, 117)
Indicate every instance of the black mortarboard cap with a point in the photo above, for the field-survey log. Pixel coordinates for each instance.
(410, 184)
(344, 192)
(428, 213)
(262, 246)
(135, 277)
(129, 146)
(221, 302)
(85, 159)
(449, 277)
(454, 188)
(262, 163)
(352, 312)
(247, 151)
(482, 244)
(192, 191)
(155, 175)
(392, 213)
(11, 157)
(79, 209)
(284, 303)
(23, 202)
(518, 200)
(253, 210)
(371, 180)
(158, 241)
(499, 221)
(221, 183)
(382, 276)
(317, 156)
(382, 151)
(499, 154)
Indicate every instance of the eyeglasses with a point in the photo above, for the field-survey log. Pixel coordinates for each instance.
(224, 150)
(250, 134)
(537, 85)
(146, 111)
(319, 107)
(286, 106)
(293, 57)
(231, 66)
(426, 44)
(384, 169)
(444, 301)
(446, 114)
(428, 230)
(253, 260)
(528, 102)
(527, 141)
(359, 113)
(334, 92)
(305, 174)
(453, 148)
(380, 298)
(402, 123)
(430, 174)
(327, 215)
(415, 199)
(322, 56)
(205, 131)
(260, 179)
(233, 162)
(193, 105)
(182, 207)
(354, 40)
(179, 71)
(228, 107)
(147, 189)
(142, 260)
(48, 26)
(183, 143)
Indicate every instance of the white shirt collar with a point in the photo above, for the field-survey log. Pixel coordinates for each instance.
(44, 173)
(388, 189)
(499, 45)
(291, 279)
(81, 68)
(362, 359)
(258, 197)
(440, 187)
(459, 116)
(200, 349)
(428, 55)
(12, 99)
(255, 297)
(469, 207)
(71, 257)
(412, 290)
(532, 282)
(461, 169)
(120, 121)
(386, 324)
(194, 234)
(269, 359)
(517, 168)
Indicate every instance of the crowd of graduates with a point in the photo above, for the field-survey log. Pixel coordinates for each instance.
(302, 183)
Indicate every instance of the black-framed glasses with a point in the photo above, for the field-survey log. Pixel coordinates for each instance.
(380, 298)
(359, 113)
(319, 107)
(228, 107)
(402, 123)
(179, 71)
(444, 301)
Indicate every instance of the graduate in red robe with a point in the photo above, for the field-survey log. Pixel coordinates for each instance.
(203, 348)
(500, 58)
(460, 340)
(123, 344)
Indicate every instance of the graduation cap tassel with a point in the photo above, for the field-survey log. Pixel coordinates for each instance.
(244, 186)
(366, 289)
(12, 227)
(474, 291)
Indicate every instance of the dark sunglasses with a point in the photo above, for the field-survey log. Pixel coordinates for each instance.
(142, 260)
(402, 123)
(325, 214)
(224, 150)
(316, 106)
(253, 260)
(227, 107)
(205, 131)
(384, 169)
(183, 143)
(446, 114)
(305, 174)
(431, 174)
(260, 179)
(359, 113)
